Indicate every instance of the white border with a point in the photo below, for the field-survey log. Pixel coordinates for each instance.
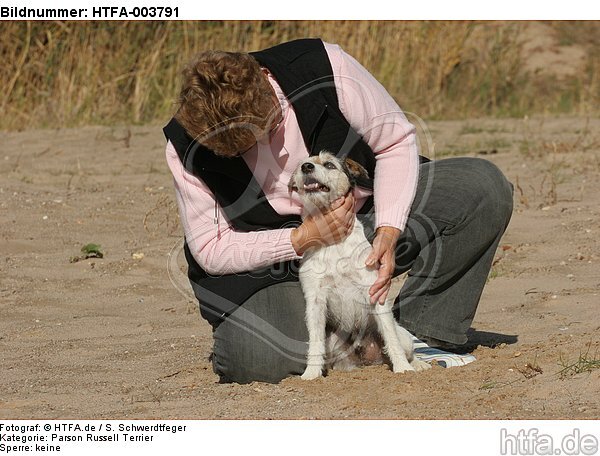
(365, 10)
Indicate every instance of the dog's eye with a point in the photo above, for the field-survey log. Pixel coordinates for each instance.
(329, 165)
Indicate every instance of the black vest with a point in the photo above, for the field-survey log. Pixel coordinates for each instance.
(303, 71)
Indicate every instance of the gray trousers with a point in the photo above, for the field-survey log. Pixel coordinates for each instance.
(461, 209)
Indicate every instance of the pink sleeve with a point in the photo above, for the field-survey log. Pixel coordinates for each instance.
(216, 247)
(374, 114)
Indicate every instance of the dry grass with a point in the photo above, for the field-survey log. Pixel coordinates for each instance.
(76, 73)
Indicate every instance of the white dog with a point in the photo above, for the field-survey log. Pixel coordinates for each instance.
(335, 282)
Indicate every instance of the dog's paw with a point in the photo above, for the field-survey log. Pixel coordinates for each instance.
(402, 367)
(311, 373)
(419, 365)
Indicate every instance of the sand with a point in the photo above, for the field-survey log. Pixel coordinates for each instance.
(115, 337)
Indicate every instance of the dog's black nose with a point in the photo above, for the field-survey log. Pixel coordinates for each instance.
(307, 168)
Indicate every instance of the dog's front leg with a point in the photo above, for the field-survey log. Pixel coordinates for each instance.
(393, 345)
(316, 314)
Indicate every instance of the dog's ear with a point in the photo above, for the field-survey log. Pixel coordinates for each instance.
(354, 170)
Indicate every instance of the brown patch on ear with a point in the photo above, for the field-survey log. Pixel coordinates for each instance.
(355, 169)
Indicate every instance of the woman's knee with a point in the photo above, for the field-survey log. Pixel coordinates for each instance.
(492, 193)
(265, 339)
(499, 195)
(243, 358)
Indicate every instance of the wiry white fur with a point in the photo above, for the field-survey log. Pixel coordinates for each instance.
(335, 282)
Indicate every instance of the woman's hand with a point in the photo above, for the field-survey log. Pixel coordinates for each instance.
(383, 254)
(325, 228)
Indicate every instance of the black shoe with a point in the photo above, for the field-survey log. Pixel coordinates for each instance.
(445, 345)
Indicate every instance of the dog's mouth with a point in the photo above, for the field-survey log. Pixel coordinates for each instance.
(311, 185)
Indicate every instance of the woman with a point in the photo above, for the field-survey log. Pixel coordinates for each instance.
(244, 123)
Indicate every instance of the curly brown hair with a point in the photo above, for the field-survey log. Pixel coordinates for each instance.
(225, 102)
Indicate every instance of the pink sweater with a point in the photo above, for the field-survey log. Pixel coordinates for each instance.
(369, 109)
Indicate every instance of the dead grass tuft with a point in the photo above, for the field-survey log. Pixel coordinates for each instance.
(584, 363)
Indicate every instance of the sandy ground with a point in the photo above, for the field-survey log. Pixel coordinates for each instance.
(115, 338)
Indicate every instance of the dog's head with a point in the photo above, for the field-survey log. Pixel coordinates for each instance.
(323, 178)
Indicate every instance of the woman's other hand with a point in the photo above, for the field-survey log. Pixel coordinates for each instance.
(383, 257)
